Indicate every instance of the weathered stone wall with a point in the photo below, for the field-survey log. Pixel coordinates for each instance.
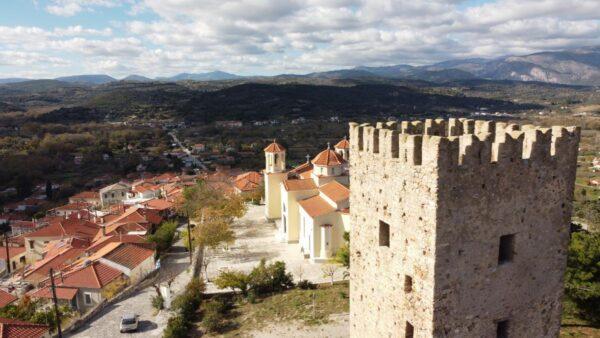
(448, 196)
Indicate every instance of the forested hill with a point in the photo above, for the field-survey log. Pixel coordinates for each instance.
(264, 101)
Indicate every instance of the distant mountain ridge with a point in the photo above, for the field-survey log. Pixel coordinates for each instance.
(210, 76)
(580, 66)
(95, 79)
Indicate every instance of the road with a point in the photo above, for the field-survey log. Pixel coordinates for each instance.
(106, 324)
(188, 152)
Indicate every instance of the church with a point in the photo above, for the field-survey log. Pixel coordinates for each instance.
(310, 203)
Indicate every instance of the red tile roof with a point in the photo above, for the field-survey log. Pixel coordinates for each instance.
(129, 255)
(103, 241)
(316, 206)
(248, 181)
(304, 167)
(94, 276)
(12, 328)
(67, 227)
(336, 191)
(303, 184)
(86, 195)
(73, 206)
(274, 148)
(158, 204)
(6, 298)
(61, 292)
(55, 260)
(328, 157)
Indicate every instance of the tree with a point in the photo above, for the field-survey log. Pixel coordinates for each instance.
(213, 212)
(329, 270)
(24, 186)
(582, 279)
(164, 235)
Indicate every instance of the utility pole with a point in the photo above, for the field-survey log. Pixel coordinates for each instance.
(7, 252)
(55, 303)
(189, 231)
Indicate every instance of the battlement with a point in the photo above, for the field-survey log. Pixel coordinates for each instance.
(463, 142)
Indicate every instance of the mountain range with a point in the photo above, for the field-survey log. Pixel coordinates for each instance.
(580, 66)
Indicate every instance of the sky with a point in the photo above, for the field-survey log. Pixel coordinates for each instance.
(51, 38)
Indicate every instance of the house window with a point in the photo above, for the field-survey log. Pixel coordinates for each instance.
(105, 195)
(22, 260)
(408, 283)
(409, 331)
(87, 298)
(31, 244)
(112, 195)
(506, 250)
(14, 265)
(384, 234)
(122, 194)
(502, 329)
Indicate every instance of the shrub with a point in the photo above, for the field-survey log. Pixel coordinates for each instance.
(306, 285)
(214, 314)
(177, 327)
(187, 303)
(270, 278)
(234, 280)
(158, 302)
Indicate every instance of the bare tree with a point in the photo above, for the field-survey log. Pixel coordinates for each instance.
(329, 270)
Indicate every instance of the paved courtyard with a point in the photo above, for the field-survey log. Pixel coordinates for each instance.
(256, 239)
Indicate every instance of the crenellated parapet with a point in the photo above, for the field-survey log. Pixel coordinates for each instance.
(463, 142)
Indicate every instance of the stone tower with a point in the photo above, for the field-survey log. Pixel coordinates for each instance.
(460, 228)
(274, 174)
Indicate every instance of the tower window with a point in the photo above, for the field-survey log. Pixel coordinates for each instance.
(409, 331)
(506, 250)
(502, 329)
(384, 234)
(408, 284)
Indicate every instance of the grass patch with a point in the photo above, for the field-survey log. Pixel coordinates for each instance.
(310, 307)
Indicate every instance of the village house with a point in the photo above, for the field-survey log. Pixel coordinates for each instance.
(310, 202)
(90, 197)
(35, 242)
(22, 227)
(114, 193)
(247, 182)
(71, 208)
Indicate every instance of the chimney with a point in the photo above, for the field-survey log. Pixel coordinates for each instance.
(103, 230)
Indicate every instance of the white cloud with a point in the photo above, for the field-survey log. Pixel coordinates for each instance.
(275, 36)
(72, 7)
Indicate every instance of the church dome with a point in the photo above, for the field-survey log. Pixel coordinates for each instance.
(328, 158)
(343, 144)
